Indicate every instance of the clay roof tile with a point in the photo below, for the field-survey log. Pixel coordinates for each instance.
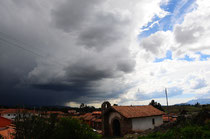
(137, 111)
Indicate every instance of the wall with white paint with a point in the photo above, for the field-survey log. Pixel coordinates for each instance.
(12, 116)
(146, 122)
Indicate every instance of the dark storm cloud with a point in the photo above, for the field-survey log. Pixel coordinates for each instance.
(106, 30)
(82, 78)
(46, 56)
(73, 14)
(95, 28)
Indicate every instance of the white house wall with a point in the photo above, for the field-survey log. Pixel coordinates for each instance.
(9, 116)
(146, 123)
(12, 116)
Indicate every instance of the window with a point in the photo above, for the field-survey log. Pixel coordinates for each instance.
(153, 121)
(8, 114)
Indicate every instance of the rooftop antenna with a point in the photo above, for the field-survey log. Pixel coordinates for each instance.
(167, 102)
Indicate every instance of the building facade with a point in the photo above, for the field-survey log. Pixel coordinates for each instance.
(120, 120)
(13, 113)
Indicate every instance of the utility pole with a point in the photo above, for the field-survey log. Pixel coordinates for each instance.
(167, 102)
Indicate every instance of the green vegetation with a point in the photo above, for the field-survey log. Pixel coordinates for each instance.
(187, 132)
(156, 105)
(196, 127)
(189, 108)
(68, 128)
(37, 127)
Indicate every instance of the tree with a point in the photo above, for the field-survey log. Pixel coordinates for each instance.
(197, 104)
(37, 127)
(82, 105)
(69, 128)
(34, 127)
(156, 105)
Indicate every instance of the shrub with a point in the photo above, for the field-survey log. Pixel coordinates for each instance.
(72, 128)
(37, 127)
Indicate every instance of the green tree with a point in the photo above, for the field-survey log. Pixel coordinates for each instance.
(37, 127)
(69, 128)
(156, 105)
(197, 104)
(82, 105)
(34, 127)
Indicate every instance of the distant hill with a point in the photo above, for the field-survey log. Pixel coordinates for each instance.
(181, 104)
(201, 101)
(194, 101)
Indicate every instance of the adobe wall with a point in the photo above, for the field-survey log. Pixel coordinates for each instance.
(125, 124)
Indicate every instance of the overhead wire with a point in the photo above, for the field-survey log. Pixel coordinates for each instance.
(16, 43)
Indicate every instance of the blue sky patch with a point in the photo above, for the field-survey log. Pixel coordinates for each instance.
(187, 58)
(176, 9)
(168, 56)
(203, 57)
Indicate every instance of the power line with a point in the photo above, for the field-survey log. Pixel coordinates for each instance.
(14, 43)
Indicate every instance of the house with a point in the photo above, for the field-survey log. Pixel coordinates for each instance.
(13, 113)
(73, 112)
(92, 119)
(119, 120)
(96, 121)
(6, 128)
(169, 117)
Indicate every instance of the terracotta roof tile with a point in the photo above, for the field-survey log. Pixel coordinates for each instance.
(98, 120)
(97, 112)
(7, 133)
(5, 111)
(55, 112)
(4, 122)
(88, 116)
(137, 111)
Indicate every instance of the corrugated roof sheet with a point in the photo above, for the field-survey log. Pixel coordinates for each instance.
(137, 111)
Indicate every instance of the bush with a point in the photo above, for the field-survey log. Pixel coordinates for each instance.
(37, 127)
(68, 128)
(188, 132)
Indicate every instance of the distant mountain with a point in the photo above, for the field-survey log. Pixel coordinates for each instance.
(201, 101)
(182, 104)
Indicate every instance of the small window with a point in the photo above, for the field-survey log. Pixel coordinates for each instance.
(153, 121)
(8, 114)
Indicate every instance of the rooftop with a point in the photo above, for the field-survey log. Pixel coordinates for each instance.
(137, 111)
(4, 122)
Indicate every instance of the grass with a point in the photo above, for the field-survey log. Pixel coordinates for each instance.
(187, 132)
(189, 108)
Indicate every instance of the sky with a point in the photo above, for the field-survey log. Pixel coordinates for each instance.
(68, 52)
